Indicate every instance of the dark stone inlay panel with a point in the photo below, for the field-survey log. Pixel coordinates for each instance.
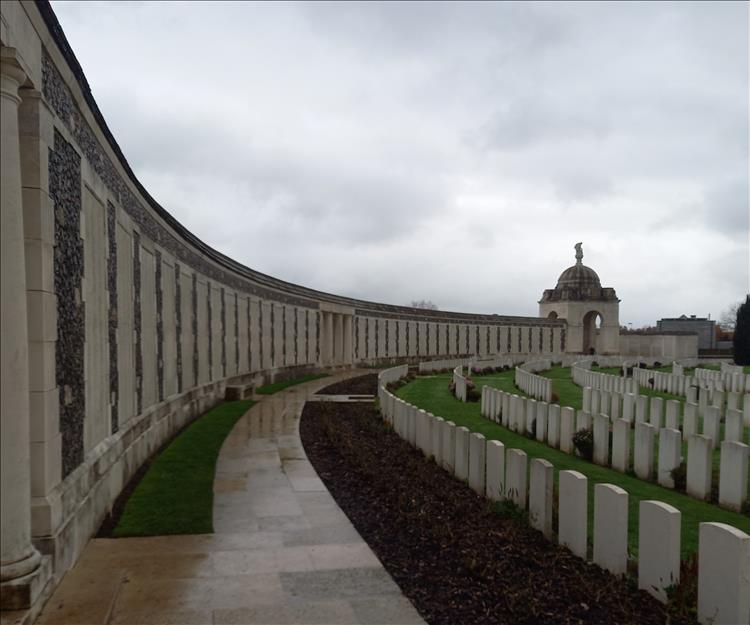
(137, 322)
(223, 333)
(260, 334)
(65, 191)
(296, 336)
(210, 333)
(159, 327)
(387, 336)
(237, 333)
(356, 338)
(307, 335)
(317, 337)
(562, 340)
(509, 340)
(520, 338)
(367, 338)
(114, 381)
(273, 335)
(178, 323)
(283, 336)
(194, 327)
(249, 337)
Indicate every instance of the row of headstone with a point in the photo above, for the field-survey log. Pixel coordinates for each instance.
(496, 473)
(556, 427)
(428, 366)
(729, 378)
(583, 377)
(478, 364)
(537, 386)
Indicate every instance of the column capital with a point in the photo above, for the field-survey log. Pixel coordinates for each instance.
(12, 75)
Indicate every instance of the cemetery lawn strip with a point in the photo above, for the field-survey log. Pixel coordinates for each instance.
(270, 389)
(458, 558)
(431, 394)
(176, 494)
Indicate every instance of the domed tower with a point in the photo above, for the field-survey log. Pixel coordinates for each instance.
(592, 312)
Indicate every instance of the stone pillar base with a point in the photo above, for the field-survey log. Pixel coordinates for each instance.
(24, 596)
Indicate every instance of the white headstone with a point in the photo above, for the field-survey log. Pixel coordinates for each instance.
(567, 417)
(553, 425)
(655, 412)
(733, 425)
(670, 450)
(733, 475)
(437, 440)
(673, 414)
(542, 408)
(583, 420)
(515, 475)
(573, 512)
(449, 446)
(723, 575)
(658, 547)
(611, 528)
(643, 457)
(699, 466)
(621, 445)
(495, 487)
(690, 420)
(541, 484)
(462, 453)
(641, 409)
(601, 440)
(477, 462)
(712, 425)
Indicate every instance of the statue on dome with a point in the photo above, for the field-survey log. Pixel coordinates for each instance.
(579, 252)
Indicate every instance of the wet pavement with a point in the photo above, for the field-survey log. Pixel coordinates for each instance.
(283, 552)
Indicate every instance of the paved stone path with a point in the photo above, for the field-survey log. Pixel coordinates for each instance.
(282, 553)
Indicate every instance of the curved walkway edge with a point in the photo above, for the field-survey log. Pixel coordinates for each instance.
(282, 552)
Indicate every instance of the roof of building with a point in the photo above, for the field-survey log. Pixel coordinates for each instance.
(579, 283)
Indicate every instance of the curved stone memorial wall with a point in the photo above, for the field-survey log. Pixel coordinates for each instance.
(120, 326)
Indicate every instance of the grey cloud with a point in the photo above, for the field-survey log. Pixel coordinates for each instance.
(363, 148)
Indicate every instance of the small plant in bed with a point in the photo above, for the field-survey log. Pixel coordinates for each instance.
(584, 443)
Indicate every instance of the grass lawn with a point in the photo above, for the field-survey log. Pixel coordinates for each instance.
(270, 389)
(431, 393)
(176, 495)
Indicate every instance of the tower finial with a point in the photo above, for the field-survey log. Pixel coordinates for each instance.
(579, 253)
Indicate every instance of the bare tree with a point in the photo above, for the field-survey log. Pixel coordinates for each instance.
(728, 318)
(425, 304)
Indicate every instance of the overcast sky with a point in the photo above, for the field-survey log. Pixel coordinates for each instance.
(453, 152)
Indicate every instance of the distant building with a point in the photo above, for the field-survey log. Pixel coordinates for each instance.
(705, 328)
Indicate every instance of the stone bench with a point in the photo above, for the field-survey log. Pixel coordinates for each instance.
(238, 391)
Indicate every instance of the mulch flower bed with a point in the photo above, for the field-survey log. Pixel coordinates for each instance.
(362, 385)
(459, 561)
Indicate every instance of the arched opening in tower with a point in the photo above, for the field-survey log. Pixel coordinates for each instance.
(592, 323)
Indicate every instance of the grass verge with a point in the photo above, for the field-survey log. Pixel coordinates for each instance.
(176, 495)
(431, 394)
(270, 389)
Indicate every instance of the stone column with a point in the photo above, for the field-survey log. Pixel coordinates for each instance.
(18, 558)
